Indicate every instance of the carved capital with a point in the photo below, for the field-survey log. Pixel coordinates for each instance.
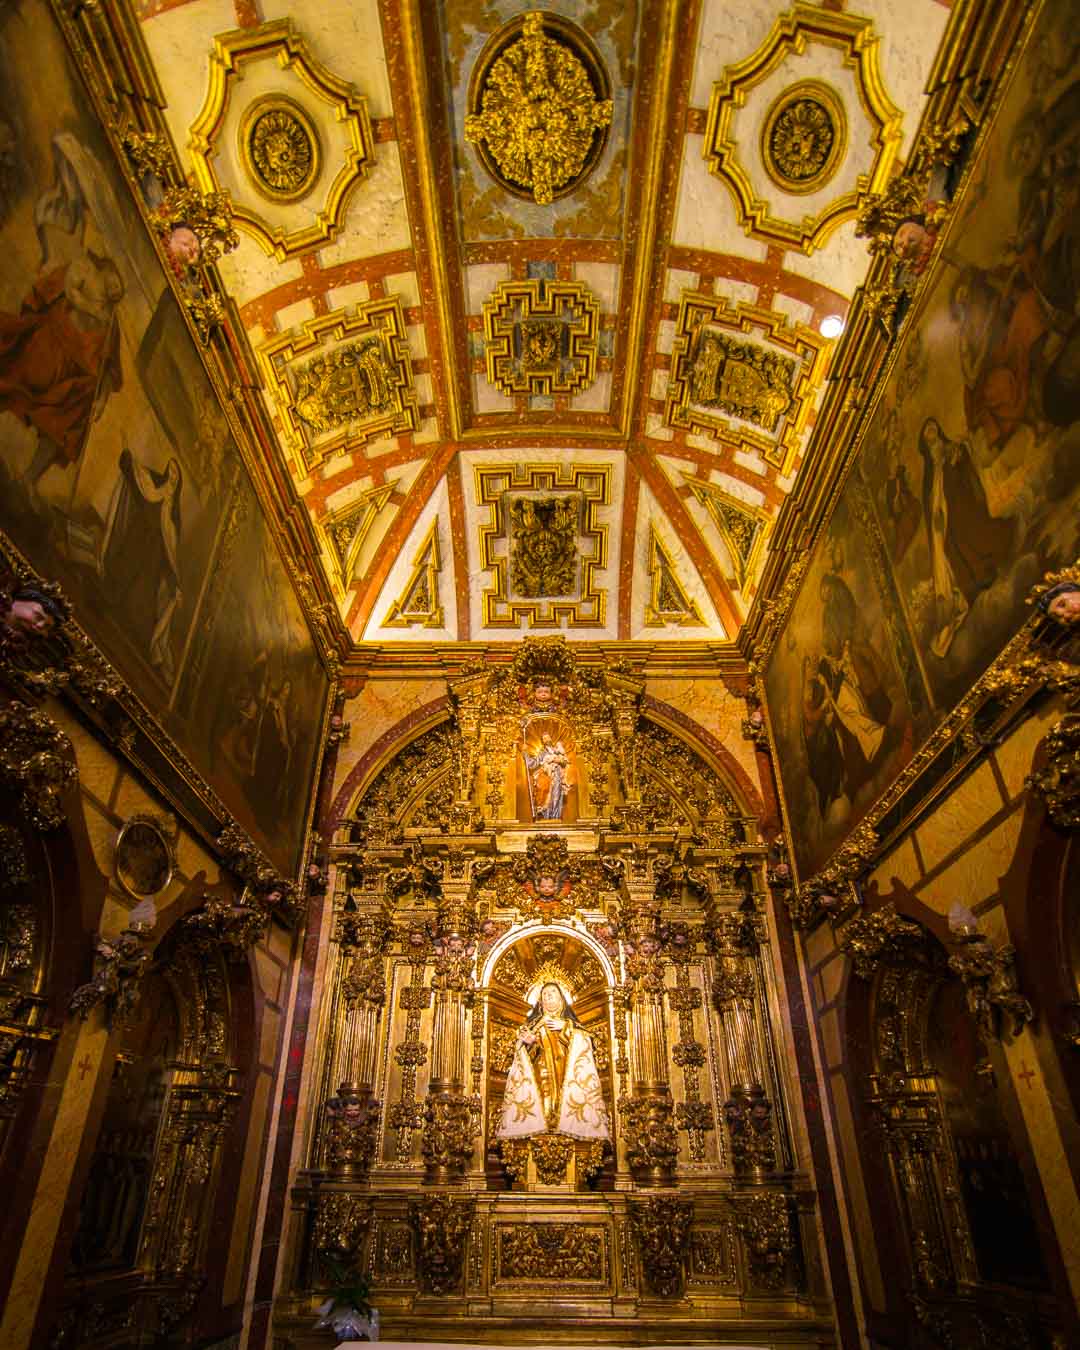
(352, 1131)
(882, 935)
(233, 928)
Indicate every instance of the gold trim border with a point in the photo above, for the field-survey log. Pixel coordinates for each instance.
(491, 482)
(789, 36)
(281, 40)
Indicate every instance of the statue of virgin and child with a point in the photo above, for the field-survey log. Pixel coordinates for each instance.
(553, 1085)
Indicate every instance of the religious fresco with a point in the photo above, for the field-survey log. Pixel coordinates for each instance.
(970, 456)
(118, 473)
(972, 450)
(844, 694)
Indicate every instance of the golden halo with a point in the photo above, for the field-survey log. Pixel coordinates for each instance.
(550, 973)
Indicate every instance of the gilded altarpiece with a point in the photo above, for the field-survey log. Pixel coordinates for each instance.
(551, 1076)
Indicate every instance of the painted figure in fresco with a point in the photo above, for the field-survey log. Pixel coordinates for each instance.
(968, 546)
(60, 355)
(901, 504)
(553, 1083)
(547, 771)
(846, 708)
(260, 738)
(140, 553)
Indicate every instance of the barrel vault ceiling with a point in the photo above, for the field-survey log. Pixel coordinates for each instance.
(540, 393)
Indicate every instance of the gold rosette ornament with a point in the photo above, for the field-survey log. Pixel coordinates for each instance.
(539, 118)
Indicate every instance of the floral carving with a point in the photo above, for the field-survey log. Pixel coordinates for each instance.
(37, 762)
(442, 1224)
(661, 1228)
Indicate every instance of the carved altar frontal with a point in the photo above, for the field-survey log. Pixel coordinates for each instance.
(551, 1090)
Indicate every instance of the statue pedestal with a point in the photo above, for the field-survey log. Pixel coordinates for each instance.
(551, 1162)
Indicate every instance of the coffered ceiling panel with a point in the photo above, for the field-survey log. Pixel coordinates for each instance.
(549, 355)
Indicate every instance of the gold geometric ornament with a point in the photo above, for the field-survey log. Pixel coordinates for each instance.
(342, 380)
(668, 601)
(418, 603)
(743, 375)
(529, 505)
(804, 138)
(319, 141)
(539, 109)
(540, 337)
(742, 527)
(347, 529)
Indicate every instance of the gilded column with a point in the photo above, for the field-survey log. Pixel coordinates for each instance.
(448, 1131)
(651, 1143)
(748, 1111)
(353, 1113)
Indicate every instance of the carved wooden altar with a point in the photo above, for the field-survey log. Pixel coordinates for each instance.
(454, 896)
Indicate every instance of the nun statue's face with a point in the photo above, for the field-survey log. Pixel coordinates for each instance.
(551, 1000)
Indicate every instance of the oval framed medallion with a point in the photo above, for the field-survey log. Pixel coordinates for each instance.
(539, 107)
(279, 148)
(145, 856)
(804, 137)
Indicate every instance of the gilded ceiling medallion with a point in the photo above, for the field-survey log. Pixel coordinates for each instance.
(801, 139)
(804, 137)
(539, 107)
(279, 148)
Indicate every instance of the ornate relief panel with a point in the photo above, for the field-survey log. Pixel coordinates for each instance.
(544, 543)
(669, 601)
(742, 527)
(346, 529)
(540, 337)
(283, 136)
(343, 378)
(743, 375)
(571, 1253)
(802, 127)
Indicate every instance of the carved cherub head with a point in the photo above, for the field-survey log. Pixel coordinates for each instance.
(1062, 603)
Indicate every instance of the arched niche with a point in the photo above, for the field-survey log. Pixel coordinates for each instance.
(937, 1152)
(513, 973)
(407, 782)
(155, 1212)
